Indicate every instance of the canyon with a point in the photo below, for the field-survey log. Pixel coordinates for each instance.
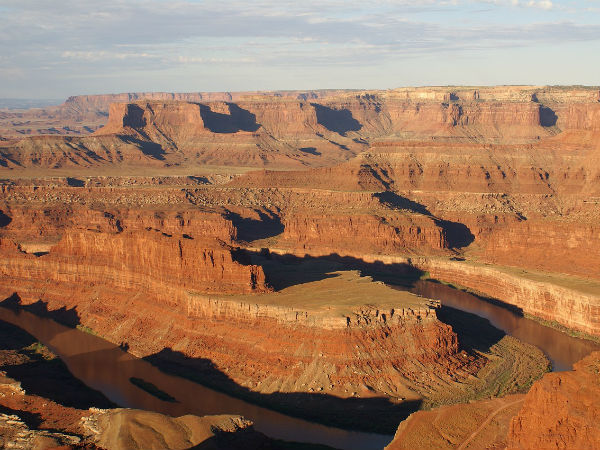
(264, 244)
(50, 408)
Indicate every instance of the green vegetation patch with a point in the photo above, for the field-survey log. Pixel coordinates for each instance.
(40, 349)
(86, 329)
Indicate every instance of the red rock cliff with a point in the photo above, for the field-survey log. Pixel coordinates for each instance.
(562, 410)
(135, 262)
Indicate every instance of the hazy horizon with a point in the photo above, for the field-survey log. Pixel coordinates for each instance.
(57, 49)
(43, 101)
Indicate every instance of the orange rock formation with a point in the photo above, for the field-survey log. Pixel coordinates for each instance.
(562, 410)
(298, 129)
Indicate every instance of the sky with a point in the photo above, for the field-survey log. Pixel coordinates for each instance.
(57, 48)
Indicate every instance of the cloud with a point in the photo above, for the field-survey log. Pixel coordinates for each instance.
(89, 26)
(539, 4)
(89, 38)
(543, 4)
(104, 55)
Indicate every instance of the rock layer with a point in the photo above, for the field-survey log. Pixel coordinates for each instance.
(295, 129)
(129, 429)
(569, 301)
(137, 262)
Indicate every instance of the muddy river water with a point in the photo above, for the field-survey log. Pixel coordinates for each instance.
(562, 350)
(107, 368)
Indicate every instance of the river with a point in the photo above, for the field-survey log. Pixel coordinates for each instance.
(108, 369)
(560, 348)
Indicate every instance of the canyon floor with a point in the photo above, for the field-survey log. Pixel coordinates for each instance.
(298, 251)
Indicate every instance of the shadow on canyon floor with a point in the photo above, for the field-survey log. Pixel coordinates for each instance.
(4, 219)
(377, 414)
(310, 151)
(548, 117)
(475, 334)
(238, 119)
(75, 182)
(337, 120)
(32, 420)
(201, 180)
(288, 270)
(457, 234)
(249, 229)
(148, 148)
(68, 317)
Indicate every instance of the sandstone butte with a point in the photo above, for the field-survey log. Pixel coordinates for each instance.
(250, 229)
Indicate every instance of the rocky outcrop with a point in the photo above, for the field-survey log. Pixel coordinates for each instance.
(136, 262)
(130, 429)
(163, 298)
(367, 316)
(562, 410)
(68, 428)
(336, 233)
(175, 121)
(83, 114)
(572, 302)
(101, 103)
(16, 435)
(164, 280)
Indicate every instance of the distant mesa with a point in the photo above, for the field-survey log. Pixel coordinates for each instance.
(280, 129)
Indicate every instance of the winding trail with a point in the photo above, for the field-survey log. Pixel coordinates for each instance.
(485, 423)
